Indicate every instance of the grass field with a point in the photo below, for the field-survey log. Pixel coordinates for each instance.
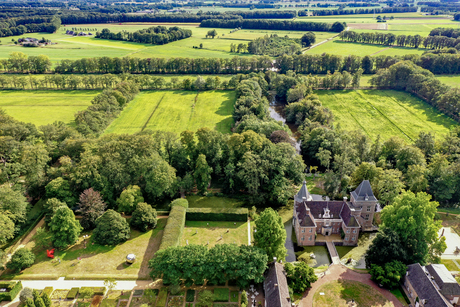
(45, 107)
(202, 232)
(176, 111)
(96, 261)
(196, 201)
(339, 293)
(385, 113)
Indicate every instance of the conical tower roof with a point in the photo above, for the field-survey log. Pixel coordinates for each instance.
(364, 192)
(303, 193)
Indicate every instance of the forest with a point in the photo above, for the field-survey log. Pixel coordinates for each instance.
(158, 35)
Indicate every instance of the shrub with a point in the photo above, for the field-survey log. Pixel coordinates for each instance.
(72, 293)
(111, 229)
(96, 290)
(180, 202)
(13, 288)
(190, 297)
(30, 302)
(205, 298)
(174, 227)
(48, 290)
(174, 289)
(221, 294)
(217, 214)
(22, 258)
(129, 199)
(86, 293)
(25, 294)
(46, 298)
(143, 217)
(151, 295)
(162, 296)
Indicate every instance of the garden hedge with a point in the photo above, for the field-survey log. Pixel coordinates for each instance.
(13, 288)
(180, 202)
(48, 290)
(174, 227)
(72, 293)
(96, 290)
(218, 214)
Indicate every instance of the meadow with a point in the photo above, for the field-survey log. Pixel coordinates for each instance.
(176, 111)
(386, 113)
(45, 107)
(212, 233)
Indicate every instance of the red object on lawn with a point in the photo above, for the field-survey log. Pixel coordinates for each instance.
(50, 253)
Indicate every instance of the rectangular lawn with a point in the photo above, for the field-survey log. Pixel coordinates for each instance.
(176, 111)
(202, 232)
(45, 107)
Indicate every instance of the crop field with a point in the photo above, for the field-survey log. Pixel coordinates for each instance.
(176, 111)
(70, 47)
(386, 113)
(45, 107)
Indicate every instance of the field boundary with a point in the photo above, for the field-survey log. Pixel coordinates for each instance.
(153, 112)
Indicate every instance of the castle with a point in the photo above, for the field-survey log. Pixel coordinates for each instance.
(313, 215)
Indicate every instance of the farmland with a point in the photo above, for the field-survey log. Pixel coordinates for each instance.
(45, 107)
(176, 111)
(384, 113)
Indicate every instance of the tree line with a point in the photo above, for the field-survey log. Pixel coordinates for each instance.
(449, 32)
(30, 25)
(272, 45)
(158, 35)
(273, 25)
(383, 10)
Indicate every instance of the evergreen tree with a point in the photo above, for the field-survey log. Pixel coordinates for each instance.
(202, 174)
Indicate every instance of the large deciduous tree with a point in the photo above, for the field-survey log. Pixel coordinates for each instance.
(64, 227)
(202, 174)
(270, 234)
(308, 39)
(388, 275)
(111, 229)
(300, 276)
(385, 247)
(21, 259)
(6, 228)
(60, 188)
(13, 204)
(129, 199)
(144, 217)
(91, 206)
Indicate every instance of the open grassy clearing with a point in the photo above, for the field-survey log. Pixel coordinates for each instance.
(45, 107)
(196, 201)
(202, 232)
(96, 261)
(176, 111)
(385, 113)
(451, 80)
(339, 293)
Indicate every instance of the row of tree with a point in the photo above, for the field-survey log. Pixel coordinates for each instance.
(382, 10)
(50, 27)
(158, 35)
(449, 32)
(273, 45)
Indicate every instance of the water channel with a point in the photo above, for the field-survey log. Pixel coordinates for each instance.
(277, 112)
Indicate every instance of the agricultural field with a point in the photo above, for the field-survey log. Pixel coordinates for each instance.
(69, 47)
(450, 80)
(176, 111)
(212, 233)
(45, 107)
(386, 113)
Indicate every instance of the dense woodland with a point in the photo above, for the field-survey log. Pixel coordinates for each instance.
(383, 10)
(158, 35)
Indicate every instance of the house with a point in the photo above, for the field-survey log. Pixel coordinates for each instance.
(275, 286)
(423, 290)
(445, 282)
(313, 215)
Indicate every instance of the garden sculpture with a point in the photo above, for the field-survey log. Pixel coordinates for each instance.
(50, 253)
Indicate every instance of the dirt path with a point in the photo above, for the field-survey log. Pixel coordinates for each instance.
(31, 234)
(381, 50)
(339, 272)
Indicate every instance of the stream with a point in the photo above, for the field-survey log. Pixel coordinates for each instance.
(277, 112)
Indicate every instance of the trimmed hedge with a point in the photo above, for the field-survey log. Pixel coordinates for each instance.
(48, 290)
(96, 290)
(72, 293)
(180, 202)
(174, 227)
(221, 294)
(218, 214)
(13, 287)
(162, 212)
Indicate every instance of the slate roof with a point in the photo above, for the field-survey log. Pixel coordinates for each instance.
(348, 219)
(304, 218)
(317, 208)
(362, 191)
(276, 287)
(303, 192)
(444, 279)
(424, 288)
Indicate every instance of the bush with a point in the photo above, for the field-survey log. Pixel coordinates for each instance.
(96, 290)
(22, 258)
(180, 202)
(162, 296)
(151, 295)
(48, 290)
(217, 214)
(221, 294)
(13, 288)
(174, 227)
(46, 298)
(72, 293)
(174, 289)
(205, 298)
(111, 229)
(86, 293)
(143, 217)
(190, 297)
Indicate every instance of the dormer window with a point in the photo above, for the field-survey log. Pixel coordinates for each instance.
(366, 198)
(326, 213)
(320, 215)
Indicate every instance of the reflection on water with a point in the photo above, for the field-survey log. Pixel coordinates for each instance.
(277, 113)
(321, 253)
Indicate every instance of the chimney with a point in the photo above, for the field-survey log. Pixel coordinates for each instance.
(274, 259)
(345, 198)
(276, 285)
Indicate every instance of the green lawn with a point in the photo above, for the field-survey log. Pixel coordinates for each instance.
(384, 112)
(196, 201)
(176, 111)
(96, 261)
(450, 265)
(202, 232)
(339, 293)
(400, 295)
(45, 107)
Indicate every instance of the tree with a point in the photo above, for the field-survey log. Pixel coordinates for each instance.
(91, 206)
(51, 207)
(308, 39)
(407, 156)
(388, 275)
(367, 64)
(385, 247)
(202, 174)
(270, 234)
(111, 229)
(110, 283)
(412, 218)
(6, 228)
(60, 188)
(211, 33)
(13, 204)
(389, 186)
(129, 199)
(144, 217)
(300, 276)
(65, 228)
(46, 299)
(30, 303)
(338, 26)
(21, 259)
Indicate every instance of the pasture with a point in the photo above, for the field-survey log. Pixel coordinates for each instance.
(212, 233)
(176, 111)
(45, 107)
(386, 113)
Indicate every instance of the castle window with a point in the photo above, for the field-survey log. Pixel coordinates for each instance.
(309, 238)
(353, 238)
(348, 230)
(367, 217)
(368, 208)
(354, 230)
(303, 230)
(303, 238)
(310, 230)
(346, 238)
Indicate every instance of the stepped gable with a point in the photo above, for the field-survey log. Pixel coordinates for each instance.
(317, 208)
(303, 192)
(348, 219)
(444, 279)
(363, 192)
